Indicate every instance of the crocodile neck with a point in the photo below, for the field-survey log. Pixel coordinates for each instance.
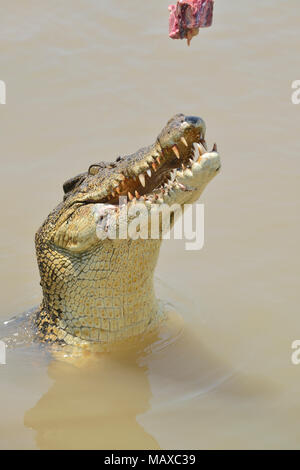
(112, 299)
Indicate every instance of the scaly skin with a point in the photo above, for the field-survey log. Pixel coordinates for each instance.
(101, 290)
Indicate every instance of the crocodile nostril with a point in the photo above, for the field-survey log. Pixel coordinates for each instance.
(192, 120)
(196, 121)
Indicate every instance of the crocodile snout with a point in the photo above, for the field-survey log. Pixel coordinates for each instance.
(196, 122)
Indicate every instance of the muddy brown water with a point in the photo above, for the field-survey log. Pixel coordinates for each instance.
(88, 81)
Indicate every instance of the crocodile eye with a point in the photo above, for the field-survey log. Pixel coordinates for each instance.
(93, 170)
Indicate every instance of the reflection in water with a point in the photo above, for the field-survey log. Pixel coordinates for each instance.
(94, 405)
(130, 399)
(96, 397)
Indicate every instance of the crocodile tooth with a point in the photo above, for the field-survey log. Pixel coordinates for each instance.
(149, 173)
(136, 194)
(130, 196)
(196, 151)
(158, 160)
(191, 161)
(204, 144)
(201, 148)
(184, 141)
(142, 180)
(188, 172)
(176, 151)
(202, 151)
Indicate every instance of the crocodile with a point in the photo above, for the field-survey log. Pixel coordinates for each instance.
(100, 290)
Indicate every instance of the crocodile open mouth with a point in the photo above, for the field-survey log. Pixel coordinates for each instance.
(161, 172)
(179, 151)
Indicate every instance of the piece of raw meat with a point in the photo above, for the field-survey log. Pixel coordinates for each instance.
(187, 16)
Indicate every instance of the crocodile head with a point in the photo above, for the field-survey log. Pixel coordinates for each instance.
(98, 290)
(178, 159)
